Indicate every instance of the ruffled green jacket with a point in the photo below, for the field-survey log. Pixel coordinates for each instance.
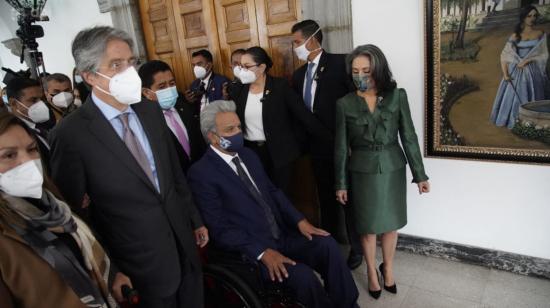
(367, 142)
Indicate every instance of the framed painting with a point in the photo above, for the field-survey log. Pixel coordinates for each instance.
(487, 80)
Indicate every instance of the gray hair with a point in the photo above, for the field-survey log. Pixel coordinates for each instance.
(55, 77)
(209, 112)
(89, 46)
(379, 67)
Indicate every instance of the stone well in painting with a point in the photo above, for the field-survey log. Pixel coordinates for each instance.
(537, 113)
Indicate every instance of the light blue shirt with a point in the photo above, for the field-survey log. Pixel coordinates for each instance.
(111, 114)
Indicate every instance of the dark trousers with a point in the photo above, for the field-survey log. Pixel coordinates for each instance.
(190, 292)
(279, 176)
(323, 170)
(321, 254)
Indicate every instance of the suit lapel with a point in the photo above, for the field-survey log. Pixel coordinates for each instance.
(226, 170)
(318, 77)
(266, 99)
(100, 127)
(301, 75)
(153, 132)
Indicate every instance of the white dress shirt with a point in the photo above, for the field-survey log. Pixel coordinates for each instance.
(253, 118)
(314, 82)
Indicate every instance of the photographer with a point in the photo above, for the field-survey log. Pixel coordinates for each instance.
(208, 86)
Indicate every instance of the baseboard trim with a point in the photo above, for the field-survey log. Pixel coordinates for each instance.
(515, 263)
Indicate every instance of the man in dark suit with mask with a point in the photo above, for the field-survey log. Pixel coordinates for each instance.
(208, 86)
(247, 214)
(159, 86)
(25, 99)
(321, 82)
(119, 152)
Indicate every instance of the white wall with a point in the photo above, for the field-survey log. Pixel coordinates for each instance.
(67, 18)
(492, 205)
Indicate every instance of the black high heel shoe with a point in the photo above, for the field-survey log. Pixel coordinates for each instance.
(375, 294)
(391, 289)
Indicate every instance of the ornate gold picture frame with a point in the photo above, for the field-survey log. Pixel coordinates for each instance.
(472, 111)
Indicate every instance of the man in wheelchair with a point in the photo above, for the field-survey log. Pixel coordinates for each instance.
(246, 213)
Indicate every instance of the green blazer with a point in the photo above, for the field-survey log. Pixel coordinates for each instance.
(367, 142)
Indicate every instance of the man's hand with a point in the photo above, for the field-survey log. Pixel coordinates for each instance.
(275, 263)
(120, 280)
(190, 96)
(85, 201)
(308, 230)
(225, 92)
(201, 236)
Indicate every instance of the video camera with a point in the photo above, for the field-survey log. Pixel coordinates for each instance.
(29, 13)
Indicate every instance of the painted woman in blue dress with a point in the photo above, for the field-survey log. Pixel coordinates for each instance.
(523, 61)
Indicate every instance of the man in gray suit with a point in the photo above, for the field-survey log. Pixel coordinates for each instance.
(118, 151)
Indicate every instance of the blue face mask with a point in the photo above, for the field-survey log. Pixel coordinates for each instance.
(5, 99)
(232, 143)
(167, 97)
(361, 82)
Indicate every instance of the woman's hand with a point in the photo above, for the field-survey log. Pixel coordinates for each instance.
(423, 187)
(507, 77)
(342, 196)
(523, 63)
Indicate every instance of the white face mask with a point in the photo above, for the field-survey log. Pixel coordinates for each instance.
(78, 79)
(63, 99)
(237, 71)
(302, 52)
(247, 76)
(125, 87)
(77, 102)
(24, 180)
(37, 113)
(200, 72)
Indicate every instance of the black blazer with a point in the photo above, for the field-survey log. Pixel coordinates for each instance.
(282, 109)
(190, 118)
(141, 228)
(332, 83)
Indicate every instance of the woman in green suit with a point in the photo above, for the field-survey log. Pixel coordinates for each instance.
(370, 162)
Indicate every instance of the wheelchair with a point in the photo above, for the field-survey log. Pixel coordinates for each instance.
(233, 281)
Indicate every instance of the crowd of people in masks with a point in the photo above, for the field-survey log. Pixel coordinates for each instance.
(116, 179)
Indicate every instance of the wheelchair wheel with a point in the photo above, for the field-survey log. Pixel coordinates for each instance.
(222, 288)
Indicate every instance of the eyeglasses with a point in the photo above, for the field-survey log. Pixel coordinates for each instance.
(248, 67)
(118, 66)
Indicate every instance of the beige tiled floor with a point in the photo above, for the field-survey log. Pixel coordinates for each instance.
(426, 282)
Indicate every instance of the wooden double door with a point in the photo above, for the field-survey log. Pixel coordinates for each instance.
(174, 29)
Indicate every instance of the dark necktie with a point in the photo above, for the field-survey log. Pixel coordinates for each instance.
(275, 231)
(308, 100)
(132, 143)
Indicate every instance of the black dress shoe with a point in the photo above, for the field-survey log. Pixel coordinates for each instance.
(354, 260)
(375, 294)
(391, 289)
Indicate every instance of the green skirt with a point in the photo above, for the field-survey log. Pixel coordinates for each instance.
(379, 201)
